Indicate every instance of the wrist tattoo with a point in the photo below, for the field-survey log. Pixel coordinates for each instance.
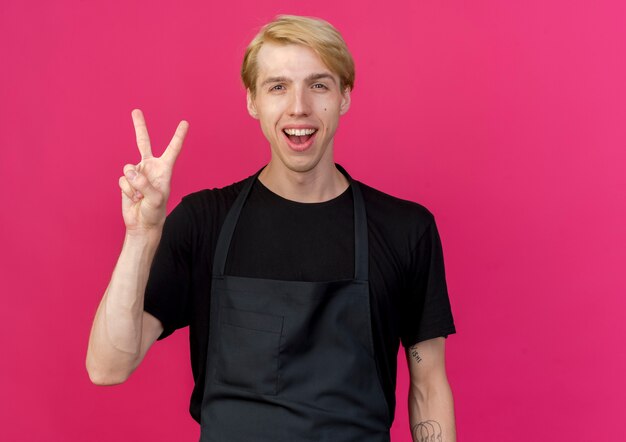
(427, 431)
(414, 354)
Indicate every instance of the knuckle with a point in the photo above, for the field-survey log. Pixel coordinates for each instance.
(140, 181)
(124, 184)
(158, 199)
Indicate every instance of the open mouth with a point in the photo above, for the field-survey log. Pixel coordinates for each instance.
(299, 138)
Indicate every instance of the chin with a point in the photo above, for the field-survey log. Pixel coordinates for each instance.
(300, 166)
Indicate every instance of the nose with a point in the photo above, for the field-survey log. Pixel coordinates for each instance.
(299, 105)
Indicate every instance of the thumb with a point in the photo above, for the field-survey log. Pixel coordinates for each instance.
(139, 183)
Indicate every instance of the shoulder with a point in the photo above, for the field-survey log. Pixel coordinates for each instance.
(214, 195)
(211, 201)
(203, 211)
(393, 214)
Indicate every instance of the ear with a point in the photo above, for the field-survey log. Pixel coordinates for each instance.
(251, 106)
(345, 101)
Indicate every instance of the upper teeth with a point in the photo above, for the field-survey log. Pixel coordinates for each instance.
(299, 132)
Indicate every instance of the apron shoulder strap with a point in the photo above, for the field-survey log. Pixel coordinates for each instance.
(361, 248)
(228, 228)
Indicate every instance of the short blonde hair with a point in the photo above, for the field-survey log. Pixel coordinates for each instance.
(314, 33)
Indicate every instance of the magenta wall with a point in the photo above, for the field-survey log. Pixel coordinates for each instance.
(506, 120)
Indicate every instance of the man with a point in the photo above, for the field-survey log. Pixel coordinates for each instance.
(297, 283)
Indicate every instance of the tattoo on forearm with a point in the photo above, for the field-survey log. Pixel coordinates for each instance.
(427, 431)
(414, 354)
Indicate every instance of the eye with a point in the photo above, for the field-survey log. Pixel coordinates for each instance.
(278, 87)
(319, 86)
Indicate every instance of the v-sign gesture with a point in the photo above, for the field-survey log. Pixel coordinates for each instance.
(122, 331)
(146, 186)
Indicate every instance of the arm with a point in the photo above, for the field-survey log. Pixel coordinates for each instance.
(122, 332)
(431, 406)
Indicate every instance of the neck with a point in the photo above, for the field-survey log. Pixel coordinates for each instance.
(322, 183)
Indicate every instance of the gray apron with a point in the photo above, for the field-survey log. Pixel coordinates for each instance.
(292, 361)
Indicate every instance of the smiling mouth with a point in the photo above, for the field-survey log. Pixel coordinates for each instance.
(299, 136)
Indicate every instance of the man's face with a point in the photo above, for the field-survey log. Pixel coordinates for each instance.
(298, 103)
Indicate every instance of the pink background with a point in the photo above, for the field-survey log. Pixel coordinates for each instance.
(505, 120)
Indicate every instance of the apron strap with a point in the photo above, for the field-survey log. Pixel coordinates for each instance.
(228, 228)
(360, 228)
(361, 249)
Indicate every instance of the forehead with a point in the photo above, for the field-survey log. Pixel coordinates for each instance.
(291, 60)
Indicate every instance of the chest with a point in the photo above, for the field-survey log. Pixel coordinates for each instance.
(293, 242)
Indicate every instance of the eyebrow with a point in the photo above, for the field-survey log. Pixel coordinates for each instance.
(312, 77)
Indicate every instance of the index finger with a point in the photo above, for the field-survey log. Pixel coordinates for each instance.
(141, 133)
(173, 149)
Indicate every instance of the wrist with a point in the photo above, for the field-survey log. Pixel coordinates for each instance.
(142, 238)
(138, 251)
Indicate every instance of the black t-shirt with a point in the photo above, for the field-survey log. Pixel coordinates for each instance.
(276, 238)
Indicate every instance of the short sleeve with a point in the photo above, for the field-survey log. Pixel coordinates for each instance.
(426, 311)
(167, 291)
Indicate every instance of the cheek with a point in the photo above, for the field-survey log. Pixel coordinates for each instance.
(266, 126)
(269, 118)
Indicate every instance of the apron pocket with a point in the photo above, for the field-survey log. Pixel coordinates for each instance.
(249, 344)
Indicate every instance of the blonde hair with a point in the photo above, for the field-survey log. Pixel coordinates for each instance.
(314, 33)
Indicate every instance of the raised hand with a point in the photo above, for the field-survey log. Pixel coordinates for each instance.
(146, 186)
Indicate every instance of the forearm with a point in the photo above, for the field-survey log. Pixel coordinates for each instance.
(431, 412)
(115, 343)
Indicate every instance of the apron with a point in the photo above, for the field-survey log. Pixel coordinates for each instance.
(292, 360)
